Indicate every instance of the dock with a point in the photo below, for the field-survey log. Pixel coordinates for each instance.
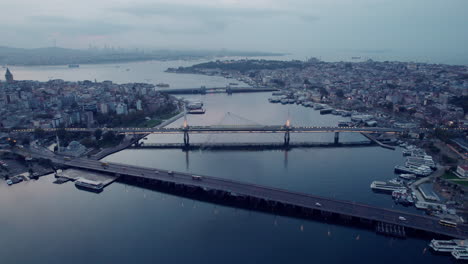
(74, 174)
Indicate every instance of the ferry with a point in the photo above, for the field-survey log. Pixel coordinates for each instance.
(403, 197)
(165, 85)
(326, 111)
(89, 184)
(278, 93)
(407, 176)
(274, 99)
(418, 161)
(345, 124)
(199, 111)
(318, 107)
(460, 254)
(410, 170)
(448, 245)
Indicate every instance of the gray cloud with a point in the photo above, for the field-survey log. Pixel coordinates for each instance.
(69, 26)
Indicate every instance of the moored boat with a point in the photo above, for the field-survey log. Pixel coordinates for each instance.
(89, 184)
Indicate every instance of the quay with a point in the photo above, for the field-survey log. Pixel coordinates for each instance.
(73, 175)
(371, 138)
(272, 198)
(132, 141)
(251, 146)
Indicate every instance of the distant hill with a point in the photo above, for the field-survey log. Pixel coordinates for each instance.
(62, 56)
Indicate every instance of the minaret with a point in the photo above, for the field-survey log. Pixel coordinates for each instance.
(9, 76)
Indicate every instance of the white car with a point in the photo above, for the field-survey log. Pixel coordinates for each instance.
(402, 218)
(318, 204)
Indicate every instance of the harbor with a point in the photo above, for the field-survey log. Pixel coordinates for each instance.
(295, 170)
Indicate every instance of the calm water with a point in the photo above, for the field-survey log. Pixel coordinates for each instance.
(47, 223)
(147, 71)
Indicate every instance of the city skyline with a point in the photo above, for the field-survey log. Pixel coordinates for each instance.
(377, 28)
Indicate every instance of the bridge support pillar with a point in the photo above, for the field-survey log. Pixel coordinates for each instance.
(286, 138)
(186, 138)
(337, 137)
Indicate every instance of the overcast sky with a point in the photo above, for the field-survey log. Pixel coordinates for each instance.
(296, 26)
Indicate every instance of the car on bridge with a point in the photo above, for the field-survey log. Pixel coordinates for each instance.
(318, 204)
(401, 218)
(196, 177)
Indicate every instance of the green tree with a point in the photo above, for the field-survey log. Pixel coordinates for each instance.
(39, 133)
(109, 137)
(98, 134)
(340, 93)
(62, 133)
(323, 91)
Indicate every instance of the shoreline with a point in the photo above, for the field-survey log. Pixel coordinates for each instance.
(106, 152)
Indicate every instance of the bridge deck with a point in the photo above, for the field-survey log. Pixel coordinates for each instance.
(253, 145)
(419, 222)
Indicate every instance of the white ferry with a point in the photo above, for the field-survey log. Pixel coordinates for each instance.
(448, 245)
(89, 184)
(408, 176)
(460, 254)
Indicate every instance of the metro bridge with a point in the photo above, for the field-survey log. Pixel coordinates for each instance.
(286, 129)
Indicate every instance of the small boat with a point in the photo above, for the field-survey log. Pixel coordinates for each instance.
(199, 111)
(162, 85)
(73, 65)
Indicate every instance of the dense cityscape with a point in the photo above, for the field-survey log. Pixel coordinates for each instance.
(427, 102)
(430, 94)
(246, 131)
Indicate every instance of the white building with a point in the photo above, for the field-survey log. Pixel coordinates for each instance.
(138, 105)
(462, 171)
(103, 108)
(121, 109)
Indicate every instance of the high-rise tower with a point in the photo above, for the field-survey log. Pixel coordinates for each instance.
(9, 76)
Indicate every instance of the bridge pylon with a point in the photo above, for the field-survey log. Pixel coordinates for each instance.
(287, 134)
(185, 128)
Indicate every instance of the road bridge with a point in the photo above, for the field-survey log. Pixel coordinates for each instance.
(250, 145)
(217, 129)
(274, 197)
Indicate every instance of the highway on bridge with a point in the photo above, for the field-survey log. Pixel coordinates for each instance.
(269, 194)
(228, 129)
(239, 129)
